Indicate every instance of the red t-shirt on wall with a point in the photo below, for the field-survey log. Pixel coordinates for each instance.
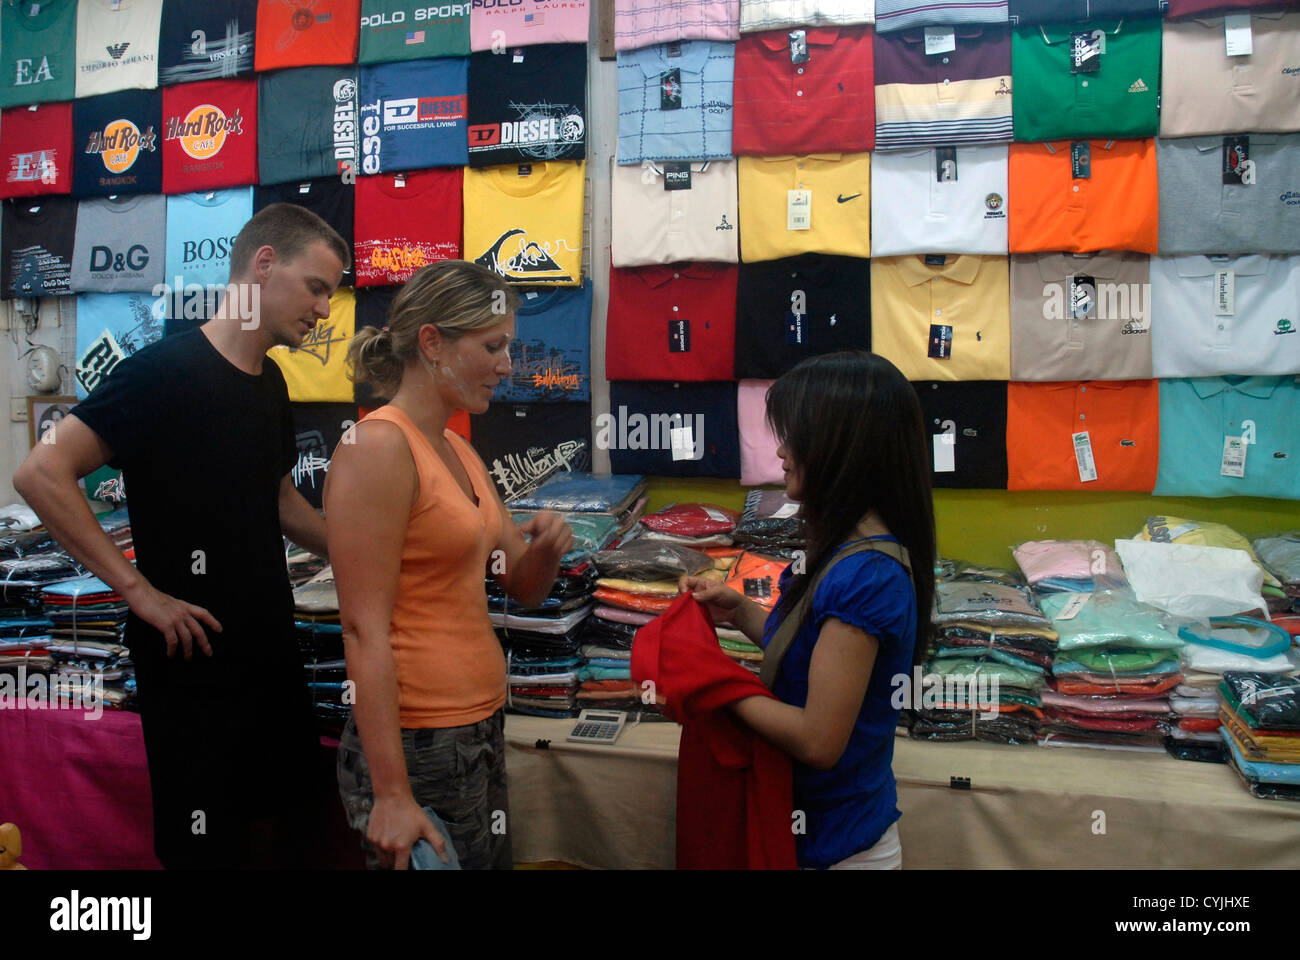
(37, 150)
(209, 134)
(826, 103)
(306, 33)
(676, 322)
(404, 221)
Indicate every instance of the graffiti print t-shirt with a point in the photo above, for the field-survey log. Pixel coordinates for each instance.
(201, 40)
(404, 221)
(413, 30)
(118, 142)
(525, 444)
(37, 150)
(201, 229)
(315, 371)
(304, 33)
(528, 104)
(38, 49)
(119, 244)
(117, 45)
(307, 123)
(527, 223)
(37, 246)
(317, 429)
(209, 135)
(110, 328)
(412, 115)
(551, 353)
(330, 199)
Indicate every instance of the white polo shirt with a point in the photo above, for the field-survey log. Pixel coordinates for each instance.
(1253, 329)
(928, 200)
(663, 213)
(1203, 90)
(773, 14)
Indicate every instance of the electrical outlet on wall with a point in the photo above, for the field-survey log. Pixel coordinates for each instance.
(18, 409)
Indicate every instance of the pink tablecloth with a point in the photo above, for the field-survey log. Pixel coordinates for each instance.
(77, 788)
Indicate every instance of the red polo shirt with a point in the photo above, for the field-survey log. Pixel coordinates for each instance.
(209, 135)
(37, 152)
(676, 322)
(827, 103)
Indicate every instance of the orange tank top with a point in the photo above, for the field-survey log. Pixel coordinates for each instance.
(450, 668)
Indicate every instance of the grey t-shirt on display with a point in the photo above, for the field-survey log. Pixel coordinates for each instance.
(119, 244)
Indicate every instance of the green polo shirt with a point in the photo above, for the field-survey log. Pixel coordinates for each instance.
(38, 50)
(413, 30)
(1117, 99)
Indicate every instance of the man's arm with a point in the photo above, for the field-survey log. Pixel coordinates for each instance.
(48, 481)
(300, 521)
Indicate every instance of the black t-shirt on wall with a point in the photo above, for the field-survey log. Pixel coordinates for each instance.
(201, 40)
(203, 447)
(37, 240)
(328, 197)
(528, 103)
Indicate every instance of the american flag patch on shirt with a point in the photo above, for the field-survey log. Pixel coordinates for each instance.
(534, 18)
(414, 36)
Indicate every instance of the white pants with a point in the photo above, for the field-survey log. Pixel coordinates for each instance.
(887, 854)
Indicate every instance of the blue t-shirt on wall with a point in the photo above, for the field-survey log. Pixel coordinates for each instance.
(414, 115)
(201, 229)
(551, 353)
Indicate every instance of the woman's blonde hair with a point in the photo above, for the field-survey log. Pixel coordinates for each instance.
(456, 296)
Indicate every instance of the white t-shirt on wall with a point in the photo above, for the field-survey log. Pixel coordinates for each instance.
(117, 45)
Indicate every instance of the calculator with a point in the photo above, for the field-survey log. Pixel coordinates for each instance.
(598, 726)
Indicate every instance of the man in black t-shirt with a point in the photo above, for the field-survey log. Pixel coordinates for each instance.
(200, 425)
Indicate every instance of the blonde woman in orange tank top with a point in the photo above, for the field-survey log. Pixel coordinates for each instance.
(413, 520)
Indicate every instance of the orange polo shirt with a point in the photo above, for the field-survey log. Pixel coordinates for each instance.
(1120, 417)
(1113, 207)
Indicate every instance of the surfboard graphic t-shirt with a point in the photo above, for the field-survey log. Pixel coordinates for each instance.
(36, 239)
(118, 143)
(201, 40)
(117, 45)
(37, 150)
(209, 135)
(404, 221)
(304, 33)
(38, 50)
(527, 222)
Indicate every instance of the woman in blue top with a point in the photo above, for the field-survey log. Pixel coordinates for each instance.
(854, 452)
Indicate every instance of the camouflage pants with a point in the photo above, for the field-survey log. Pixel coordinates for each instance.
(458, 771)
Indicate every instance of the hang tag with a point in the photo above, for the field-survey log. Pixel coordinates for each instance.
(798, 46)
(798, 210)
(677, 175)
(1083, 298)
(945, 164)
(715, 515)
(1234, 457)
(1081, 160)
(936, 259)
(518, 56)
(1085, 53)
(679, 336)
(116, 5)
(525, 170)
(1083, 457)
(796, 325)
(1225, 284)
(1073, 606)
(760, 588)
(530, 295)
(36, 8)
(521, 411)
(399, 180)
(682, 440)
(673, 50)
(940, 341)
(786, 510)
(940, 40)
(1237, 37)
(945, 448)
(670, 89)
(304, 188)
(1238, 168)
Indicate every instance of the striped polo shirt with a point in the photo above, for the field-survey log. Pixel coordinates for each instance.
(906, 14)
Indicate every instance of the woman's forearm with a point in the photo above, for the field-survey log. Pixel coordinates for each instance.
(749, 619)
(781, 725)
(371, 669)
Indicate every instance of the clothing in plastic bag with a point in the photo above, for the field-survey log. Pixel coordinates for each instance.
(691, 520)
(1193, 581)
(988, 603)
(651, 560)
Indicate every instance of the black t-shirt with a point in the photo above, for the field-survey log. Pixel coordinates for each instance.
(527, 104)
(201, 40)
(525, 444)
(203, 447)
(328, 197)
(772, 335)
(37, 239)
(317, 429)
(373, 305)
(975, 413)
(643, 414)
(1061, 11)
(117, 143)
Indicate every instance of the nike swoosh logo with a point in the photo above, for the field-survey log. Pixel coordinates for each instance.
(843, 199)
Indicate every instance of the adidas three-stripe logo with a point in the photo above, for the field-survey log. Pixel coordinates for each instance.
(1137, 86)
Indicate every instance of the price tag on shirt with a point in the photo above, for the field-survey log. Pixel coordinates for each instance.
(940, 40)
(1083, 457)
(670, 89)
(1083, 297)
(1073, 606)
(1236, 35)
(945, 164)
(1085, 52)
(1234, 457)
(518, 56)
(940, 341)
(799, 46)
(682, 441)
(945, 449)
(679, 336)
(1224, 289)
(798, 210)
(1081, 160)
(715, 515)
(786, 510)
(1238, 168)
(677, 175)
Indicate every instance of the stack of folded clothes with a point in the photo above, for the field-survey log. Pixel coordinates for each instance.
(770, 524)
(1115, 666)
(302, 563)
(701, 526)
(621, 496)
(320, 643)
(541, 681)
(1261, 729)
(1280, 556)
(24, 629)
(1076, 566)
(989, 658)
(88, 621)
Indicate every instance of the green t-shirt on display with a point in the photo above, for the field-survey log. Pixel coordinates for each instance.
(1067, 90)
(38, 50)
(413, 30)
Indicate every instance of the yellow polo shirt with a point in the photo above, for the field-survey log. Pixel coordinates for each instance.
(838, 195)
(943, 321)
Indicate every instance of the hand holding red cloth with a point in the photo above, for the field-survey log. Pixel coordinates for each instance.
(735, 791)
